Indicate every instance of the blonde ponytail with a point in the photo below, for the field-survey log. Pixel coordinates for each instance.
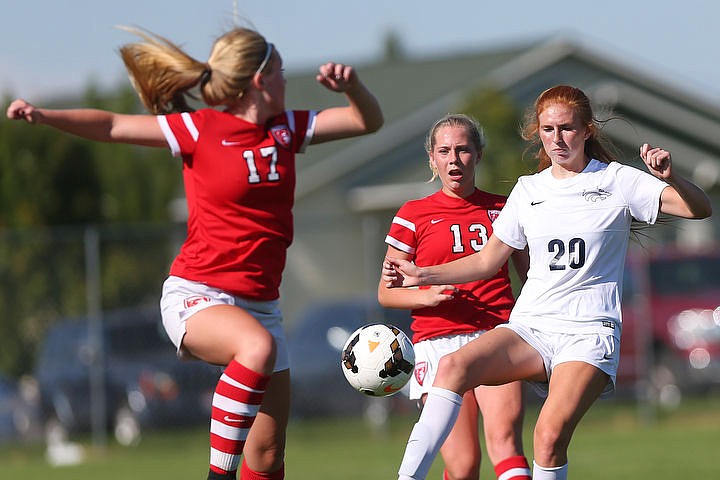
(163, 74)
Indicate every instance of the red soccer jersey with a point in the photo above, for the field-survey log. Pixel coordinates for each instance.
(438, 229)
(240, 186)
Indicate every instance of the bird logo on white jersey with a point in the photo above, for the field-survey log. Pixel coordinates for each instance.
(595, 195)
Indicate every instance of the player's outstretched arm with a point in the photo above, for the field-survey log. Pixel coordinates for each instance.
(479, 266)
(99, 125)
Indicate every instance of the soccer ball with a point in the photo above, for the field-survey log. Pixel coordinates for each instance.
(378, 360)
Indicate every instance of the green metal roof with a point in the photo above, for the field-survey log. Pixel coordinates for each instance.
(402, 85)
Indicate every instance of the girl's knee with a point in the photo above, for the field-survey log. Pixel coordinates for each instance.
(462, 459)
(550, 442)
(503, 443)
(466, 469)
(257, 353)
(451, 373)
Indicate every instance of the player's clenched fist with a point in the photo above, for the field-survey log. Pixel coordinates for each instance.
(22, 110)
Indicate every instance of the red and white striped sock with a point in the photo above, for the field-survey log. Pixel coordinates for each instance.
(235, 404)
(513, 468)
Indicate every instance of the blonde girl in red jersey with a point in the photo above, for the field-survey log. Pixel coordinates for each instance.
(452, 223)
(220, 301)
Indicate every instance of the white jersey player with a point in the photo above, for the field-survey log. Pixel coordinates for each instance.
(575, 217)
(576, 272)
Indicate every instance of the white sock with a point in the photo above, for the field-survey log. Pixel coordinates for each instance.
(549, 473)
(429, 433)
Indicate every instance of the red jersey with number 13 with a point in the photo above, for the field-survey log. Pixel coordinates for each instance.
(240, 186)
(438, 229)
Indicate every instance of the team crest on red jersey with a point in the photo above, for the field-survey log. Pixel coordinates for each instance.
(193, 300)
(282, 135)
(493, 214)
(420, 371)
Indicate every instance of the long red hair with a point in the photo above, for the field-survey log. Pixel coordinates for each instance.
(596, 145)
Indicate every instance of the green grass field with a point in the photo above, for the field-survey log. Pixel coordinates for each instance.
(611, 442)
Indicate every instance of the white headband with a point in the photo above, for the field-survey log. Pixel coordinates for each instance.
(264, 63)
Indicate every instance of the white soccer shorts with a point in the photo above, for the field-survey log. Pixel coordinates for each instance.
(599, 350)
(427, 357)
(182, 298)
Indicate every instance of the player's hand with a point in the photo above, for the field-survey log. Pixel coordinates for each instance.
(657, 160)
(337, 77)
(22, 110)
(400, 273)
(434, 295)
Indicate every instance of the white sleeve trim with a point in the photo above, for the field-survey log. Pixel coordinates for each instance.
(656, 204)
(405, 223)
(187, 120)
(169, 136)
(403, 247)
(309, 132)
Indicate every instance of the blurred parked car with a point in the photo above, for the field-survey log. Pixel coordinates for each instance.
(315, 341)
(146, 385)
(671, 323)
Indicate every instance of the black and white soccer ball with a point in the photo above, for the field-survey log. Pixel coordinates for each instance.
(378, 359)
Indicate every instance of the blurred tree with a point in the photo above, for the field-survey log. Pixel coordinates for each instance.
(46, 178)
(393, 48)
(51, 179)
(503, 158)
(502, 161)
